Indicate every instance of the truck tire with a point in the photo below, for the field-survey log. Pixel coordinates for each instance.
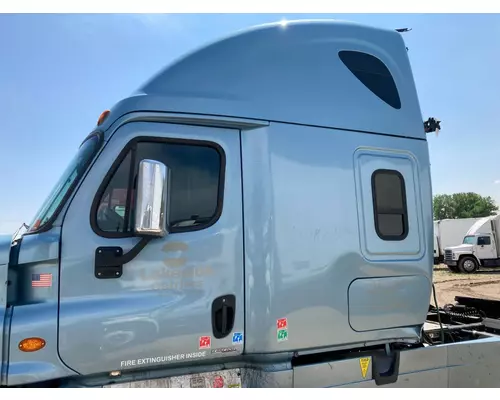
(468, 265)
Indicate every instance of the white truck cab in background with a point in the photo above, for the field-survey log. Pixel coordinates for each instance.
(450, 232)
(479, 247)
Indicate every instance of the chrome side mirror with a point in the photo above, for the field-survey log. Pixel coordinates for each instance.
(151, 212)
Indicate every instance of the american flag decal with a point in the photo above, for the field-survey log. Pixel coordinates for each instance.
(41, 280)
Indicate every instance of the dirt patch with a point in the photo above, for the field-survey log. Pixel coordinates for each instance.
(485, 283)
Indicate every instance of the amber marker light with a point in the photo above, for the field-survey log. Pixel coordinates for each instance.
(103, 117)
(29, 345)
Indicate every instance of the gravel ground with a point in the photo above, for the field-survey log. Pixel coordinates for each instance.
(484, 283)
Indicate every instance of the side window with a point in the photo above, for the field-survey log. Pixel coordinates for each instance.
(195, 187)
(372, 73)
(389, 205)
(111, 208)
(483, 241)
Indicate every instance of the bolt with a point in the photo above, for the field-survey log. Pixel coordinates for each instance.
(100, 251)
(117, 273)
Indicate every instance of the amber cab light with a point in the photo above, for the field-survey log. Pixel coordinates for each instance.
(103, 117)
(31, 344)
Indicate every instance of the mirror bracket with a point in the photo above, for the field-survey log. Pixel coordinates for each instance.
(109, 260)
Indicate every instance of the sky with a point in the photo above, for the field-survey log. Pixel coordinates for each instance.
(59, 72)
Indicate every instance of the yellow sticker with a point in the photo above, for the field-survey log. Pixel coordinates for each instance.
(363, 364)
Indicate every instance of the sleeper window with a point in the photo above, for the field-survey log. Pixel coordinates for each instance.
(389, 205)
(373, 74)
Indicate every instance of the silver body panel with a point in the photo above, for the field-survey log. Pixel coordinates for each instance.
(140, 316)
(459, 365)
(466, 364)
(288, 74)
(309, 236)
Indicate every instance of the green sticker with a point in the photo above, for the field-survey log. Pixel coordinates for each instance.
(282, 335)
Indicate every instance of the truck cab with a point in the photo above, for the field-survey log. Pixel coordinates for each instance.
(450, 232)
(479, 247)
(474, 251)
(257, 210)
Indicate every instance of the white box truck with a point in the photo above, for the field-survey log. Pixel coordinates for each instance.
(480, 247)
(450, 232)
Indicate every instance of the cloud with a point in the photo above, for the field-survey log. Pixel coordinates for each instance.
(497, 182)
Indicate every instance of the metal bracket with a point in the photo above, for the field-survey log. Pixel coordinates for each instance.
(108, 263)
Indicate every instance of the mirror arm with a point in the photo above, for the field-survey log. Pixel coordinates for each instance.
(134, 251)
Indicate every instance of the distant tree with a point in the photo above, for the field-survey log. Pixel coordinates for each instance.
(463, 205)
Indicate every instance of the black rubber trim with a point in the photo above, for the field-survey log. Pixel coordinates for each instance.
(132, 146)
(48, 225)
(389, 376)
(403, 212)
(128, 201)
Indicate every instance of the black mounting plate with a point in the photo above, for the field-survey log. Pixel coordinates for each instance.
(108, 263)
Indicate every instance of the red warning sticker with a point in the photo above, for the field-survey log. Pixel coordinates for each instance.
(282, 323)
(218, 382)
(205, 342)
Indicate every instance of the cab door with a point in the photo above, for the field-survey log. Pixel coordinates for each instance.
(485, 249)
(180, 300)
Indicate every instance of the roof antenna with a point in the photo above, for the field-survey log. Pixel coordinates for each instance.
(403, 30)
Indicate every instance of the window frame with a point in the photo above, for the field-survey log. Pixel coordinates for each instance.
(342, 54)
(131, 146)
(404, 210)
(48, 225)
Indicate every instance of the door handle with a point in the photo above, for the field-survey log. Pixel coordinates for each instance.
(224, 318)
(223, 315)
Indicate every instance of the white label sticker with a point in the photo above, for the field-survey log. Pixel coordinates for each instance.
(162, 359)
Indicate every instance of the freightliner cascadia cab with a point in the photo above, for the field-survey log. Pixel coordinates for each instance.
(263, 199)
